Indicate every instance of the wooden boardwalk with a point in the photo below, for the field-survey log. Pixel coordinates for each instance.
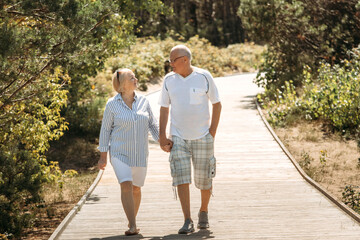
(258, 193)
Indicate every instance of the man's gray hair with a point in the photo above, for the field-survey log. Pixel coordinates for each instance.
(183, 50)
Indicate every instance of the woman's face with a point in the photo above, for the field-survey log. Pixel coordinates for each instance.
(130, 81)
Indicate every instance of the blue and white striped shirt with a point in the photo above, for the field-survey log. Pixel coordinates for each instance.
(124, 131)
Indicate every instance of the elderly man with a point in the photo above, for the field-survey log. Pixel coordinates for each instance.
(188, 90)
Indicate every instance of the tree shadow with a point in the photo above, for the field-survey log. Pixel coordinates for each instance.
(247, 102)
(118, 237)
(93, 198)
(201, 234)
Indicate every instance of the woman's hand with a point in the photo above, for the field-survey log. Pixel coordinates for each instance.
(102, 161)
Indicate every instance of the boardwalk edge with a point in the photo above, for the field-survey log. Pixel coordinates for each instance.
(341, 205)
(55, 235)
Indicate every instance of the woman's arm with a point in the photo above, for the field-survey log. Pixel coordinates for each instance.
(102, 161)
(153, 124)
(104, 139)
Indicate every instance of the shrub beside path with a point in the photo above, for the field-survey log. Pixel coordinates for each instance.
(258, 193)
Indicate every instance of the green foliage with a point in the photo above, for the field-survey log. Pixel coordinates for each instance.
(283, 106)
(147, 57)
(323, 157)
(331, 95)
(336, 98)
(300, 33)
(45, 45)
(351, 197)
(20, 186)
(310, 169)
(305, 163)
(26, 129)
(84, 117)
(54, 174)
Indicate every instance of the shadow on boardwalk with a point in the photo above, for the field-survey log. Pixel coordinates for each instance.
(202, 234)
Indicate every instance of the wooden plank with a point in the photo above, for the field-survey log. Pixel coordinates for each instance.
(258, 193)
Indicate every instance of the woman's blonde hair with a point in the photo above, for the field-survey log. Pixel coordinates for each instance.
(118, 79)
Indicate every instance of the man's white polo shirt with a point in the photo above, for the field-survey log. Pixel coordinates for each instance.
(189, 99)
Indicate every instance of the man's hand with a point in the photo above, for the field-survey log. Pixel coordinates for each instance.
(165, 144)
(212, 132)
(102, 161)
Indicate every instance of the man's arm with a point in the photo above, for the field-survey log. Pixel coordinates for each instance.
(215, 118)
(164, 116)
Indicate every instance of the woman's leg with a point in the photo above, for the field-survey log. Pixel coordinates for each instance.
(137, 198)
(127, 200)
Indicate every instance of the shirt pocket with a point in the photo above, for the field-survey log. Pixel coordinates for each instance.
(197, 95)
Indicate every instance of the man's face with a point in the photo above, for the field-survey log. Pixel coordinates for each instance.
(176, 61)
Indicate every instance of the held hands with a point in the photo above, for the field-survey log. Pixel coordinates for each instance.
(165, 144)
(167, 148)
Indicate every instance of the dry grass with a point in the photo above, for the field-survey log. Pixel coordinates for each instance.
(71, 153)
(327, 158)
(57, 204)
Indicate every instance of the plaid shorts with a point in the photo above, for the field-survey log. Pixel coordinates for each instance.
(201, 151)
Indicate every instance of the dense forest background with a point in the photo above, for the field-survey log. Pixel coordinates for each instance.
(214, 20)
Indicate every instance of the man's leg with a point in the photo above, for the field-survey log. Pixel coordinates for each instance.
(181, 172)
(203, 222)
(205, 199)
(203, 154)
(184, 196)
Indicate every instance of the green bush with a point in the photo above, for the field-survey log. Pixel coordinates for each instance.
(332, 94)
(85, 117)
(147, 57)
(351, 197)
(45, 45)
(300, 33)
(20, 185)
(336, 98)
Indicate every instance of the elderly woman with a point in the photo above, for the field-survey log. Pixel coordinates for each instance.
(124, 133)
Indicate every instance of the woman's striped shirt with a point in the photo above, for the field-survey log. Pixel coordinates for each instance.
(124, 131)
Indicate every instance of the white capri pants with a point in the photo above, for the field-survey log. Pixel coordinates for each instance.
(125, 173)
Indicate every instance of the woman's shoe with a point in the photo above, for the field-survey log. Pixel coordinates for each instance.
(130, 233)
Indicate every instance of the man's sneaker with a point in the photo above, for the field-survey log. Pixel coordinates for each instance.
(188, 227)
(203, 220)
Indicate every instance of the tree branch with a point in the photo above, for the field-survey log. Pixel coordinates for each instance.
(24, 98)
(91, 29)
(3, 90)
(7, 101)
